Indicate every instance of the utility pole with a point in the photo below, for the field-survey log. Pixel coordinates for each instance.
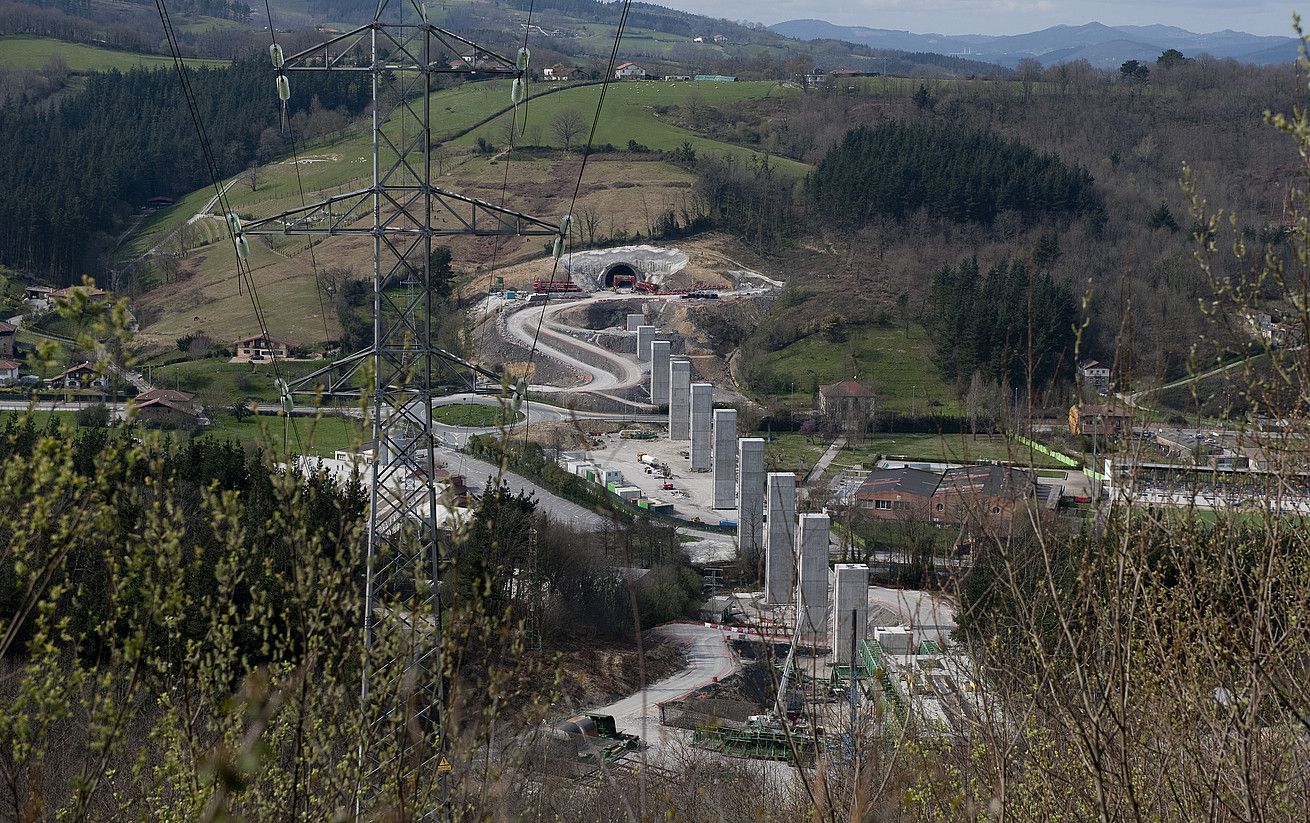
(402, 211)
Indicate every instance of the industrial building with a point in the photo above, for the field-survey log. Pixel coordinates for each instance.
(580, 464)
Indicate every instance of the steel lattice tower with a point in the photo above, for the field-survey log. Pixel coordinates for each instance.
(402, 210)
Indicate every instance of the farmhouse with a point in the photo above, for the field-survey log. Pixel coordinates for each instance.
(1100, 419)
(259, 348)
(846, 398)
(1095, 375)
(8, 372)
(629, 71)
(7, 334)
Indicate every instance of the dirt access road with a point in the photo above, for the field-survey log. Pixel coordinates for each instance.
(708, 657)
(607, 371)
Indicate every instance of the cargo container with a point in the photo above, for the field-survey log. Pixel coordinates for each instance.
(629, 494)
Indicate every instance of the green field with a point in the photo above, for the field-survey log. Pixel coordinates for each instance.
(475, 415)
(215, 382)
(791, 452)
(22, 52)
(319, 436)
(947, 448)
(343, 163)
(896, 363)
(330, 166)
(630, 114)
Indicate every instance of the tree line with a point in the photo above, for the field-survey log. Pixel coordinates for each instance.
(73, 175)
(964, 175)
(1002, 325)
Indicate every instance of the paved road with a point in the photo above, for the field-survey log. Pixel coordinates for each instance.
(826, 460)
(476, 473)
(708, 657)
(56, 405)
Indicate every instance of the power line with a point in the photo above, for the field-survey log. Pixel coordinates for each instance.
(509, 154)
(243, 266)
(586, 154)
(300, 183)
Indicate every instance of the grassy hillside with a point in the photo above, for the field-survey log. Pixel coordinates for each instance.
(896, 362)
(343, 163)
(632, 113)
(629, 190)
(34, 52)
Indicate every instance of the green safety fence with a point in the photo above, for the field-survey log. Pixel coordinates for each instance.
(1048, 451)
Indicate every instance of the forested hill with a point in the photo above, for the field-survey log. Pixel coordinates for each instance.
(72, 176)
(960, 174)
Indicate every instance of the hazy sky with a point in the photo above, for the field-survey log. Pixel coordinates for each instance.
(1011, 16)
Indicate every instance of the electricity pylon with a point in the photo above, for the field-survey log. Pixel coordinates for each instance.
(402, 210)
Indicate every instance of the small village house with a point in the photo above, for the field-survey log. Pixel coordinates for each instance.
(260, 347)
(629, 71)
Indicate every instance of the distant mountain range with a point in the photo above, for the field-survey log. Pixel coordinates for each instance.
(1097, 43)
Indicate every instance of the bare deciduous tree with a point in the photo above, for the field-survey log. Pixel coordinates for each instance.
(567, 125)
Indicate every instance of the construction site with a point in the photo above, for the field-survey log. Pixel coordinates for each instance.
(778, 674)
(781, 674)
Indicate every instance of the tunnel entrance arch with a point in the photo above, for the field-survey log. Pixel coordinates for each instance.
(624, 273)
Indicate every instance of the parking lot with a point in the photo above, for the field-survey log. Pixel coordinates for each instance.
(692, 494)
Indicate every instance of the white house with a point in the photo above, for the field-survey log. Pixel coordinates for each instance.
(8, 372)
(1095, 375)
(629, 71)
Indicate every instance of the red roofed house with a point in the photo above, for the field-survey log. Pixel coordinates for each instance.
(994, 499)
(83, 375)
(179, 401)
(92, 293)
(260, 347)
(7, 333)
(8, 372)
(849, 401)
(629, 71)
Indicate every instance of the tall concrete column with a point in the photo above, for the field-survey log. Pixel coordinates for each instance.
(645, 334)
(812, 554)
(635, 320)
(750, 496)
(679, 399)
(725, 458)
(780, 539)
(850, 609)
(702, 433)
(659, 372)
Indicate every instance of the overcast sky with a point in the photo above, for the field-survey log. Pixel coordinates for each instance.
(1011, 16)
